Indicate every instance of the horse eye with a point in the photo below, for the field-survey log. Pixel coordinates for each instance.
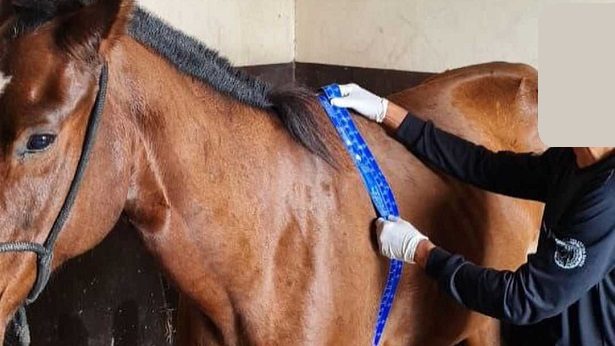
(40, 142)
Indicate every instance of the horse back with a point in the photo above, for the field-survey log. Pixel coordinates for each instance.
(494, 105)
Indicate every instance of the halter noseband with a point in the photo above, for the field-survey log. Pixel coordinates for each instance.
(44, 252)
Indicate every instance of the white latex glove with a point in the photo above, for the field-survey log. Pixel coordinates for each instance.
(364, 102)
(398, 239)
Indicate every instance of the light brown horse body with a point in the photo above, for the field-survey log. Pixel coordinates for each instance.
(269, 243)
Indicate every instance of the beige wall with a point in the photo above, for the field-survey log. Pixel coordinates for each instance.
(418, 35)
(248, 32)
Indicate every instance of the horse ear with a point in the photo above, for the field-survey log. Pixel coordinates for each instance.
(92, 31)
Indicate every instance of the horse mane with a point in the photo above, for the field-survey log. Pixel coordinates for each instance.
(294, 106)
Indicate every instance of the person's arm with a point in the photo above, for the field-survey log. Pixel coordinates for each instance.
(519, 175)
(523, 175)
(423, 250)
(560, 273)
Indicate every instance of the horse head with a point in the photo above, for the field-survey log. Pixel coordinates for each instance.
(52, 54)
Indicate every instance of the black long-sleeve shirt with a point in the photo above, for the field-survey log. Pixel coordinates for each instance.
(565, 293)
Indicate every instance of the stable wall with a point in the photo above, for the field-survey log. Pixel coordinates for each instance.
(411, 35)
(418, 35)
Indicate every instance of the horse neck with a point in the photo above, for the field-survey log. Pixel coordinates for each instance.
(230, 205)
(199, 151)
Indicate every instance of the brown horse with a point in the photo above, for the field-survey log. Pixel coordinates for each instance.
(241, 191)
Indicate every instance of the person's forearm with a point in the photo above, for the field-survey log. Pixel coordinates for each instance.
(422, 253)
(394, 117)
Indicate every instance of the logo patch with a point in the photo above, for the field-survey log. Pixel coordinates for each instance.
(569, 253)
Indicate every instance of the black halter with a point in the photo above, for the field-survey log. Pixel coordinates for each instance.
(44, 252)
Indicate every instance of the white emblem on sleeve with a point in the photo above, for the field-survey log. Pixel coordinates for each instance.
(569, 253)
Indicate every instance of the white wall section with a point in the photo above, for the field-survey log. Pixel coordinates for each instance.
(416, 35)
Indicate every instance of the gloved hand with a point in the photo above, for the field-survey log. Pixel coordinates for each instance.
(398, 239)
(364, 102)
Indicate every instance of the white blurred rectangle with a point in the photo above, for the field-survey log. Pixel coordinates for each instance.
(576, 57)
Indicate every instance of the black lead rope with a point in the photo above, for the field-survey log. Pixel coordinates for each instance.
(44, 253)
(88, 143)
(20, 329)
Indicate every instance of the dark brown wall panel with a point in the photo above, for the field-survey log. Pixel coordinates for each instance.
(382, 82)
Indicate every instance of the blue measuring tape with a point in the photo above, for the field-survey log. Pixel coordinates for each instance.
(377, 186)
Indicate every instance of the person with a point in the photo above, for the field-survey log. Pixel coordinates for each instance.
(565, 293)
